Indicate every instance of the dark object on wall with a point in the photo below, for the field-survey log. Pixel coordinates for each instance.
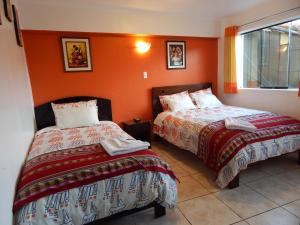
(44, 114)
(7, 9)
(17, 26)
(176, 55)
(77, 54)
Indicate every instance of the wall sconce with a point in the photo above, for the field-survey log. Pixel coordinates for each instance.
(142, 46)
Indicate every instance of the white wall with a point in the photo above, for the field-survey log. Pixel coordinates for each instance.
(280, 101)
(107, 19)
(16, 115)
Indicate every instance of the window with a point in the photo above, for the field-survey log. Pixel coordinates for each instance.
(271, 56)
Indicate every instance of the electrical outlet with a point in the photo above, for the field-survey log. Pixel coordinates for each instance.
(145, 74)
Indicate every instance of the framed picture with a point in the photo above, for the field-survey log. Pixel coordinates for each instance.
(176, 55)
(7, 9)
(77, 55)
(17, 26)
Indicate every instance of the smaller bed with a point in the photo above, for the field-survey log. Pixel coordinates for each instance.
(202, 131)
(68, 178)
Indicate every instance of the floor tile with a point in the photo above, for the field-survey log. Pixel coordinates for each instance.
(206, 179)
(293, 207)
(241, 223)
(276, 216)
(244, 201)
(179, 171)
(168, 159)
(192, 167)
(278, 165)
(292, 177)
(126, 220)
(189, 188)
(252, 173)
(276, 190)
(172, 217)
(207, 210)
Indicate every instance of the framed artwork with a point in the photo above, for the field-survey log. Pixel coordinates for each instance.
(7, 9)
(176, 55)
(77, 55)
(17, 26)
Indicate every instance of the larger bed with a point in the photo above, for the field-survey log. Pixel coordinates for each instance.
(68, 178)
(202, 131)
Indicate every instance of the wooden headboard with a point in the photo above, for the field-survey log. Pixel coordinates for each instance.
(168, 90)
(44, 114)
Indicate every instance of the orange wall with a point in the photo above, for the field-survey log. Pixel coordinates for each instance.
(117, 69)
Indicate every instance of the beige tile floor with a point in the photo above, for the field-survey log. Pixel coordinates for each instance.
(269, 194)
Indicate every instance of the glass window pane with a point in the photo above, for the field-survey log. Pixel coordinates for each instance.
(252, 59)
(294, 54)
(271, 56)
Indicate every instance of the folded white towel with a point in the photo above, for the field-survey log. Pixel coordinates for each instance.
(239, 124)
(117, 146)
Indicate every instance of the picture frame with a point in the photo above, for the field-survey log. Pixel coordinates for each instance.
(8, 10)
(76, 54)
(18, 32)
(176, 55)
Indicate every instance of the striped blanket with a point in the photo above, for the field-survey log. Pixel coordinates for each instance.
(218, 145)
(57, 171)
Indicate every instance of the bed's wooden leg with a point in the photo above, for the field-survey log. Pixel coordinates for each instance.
(299, 157)
(235, 182)
(159, 210)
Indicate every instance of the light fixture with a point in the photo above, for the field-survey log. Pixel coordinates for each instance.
(142, 46)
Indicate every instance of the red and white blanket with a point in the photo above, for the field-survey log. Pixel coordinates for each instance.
(64, 169)
(218, 145)
(227, 152)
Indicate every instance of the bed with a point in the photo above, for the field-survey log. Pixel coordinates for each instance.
(226, 152)
(74, 181)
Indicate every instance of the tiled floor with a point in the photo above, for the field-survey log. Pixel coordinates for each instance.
(269, 194)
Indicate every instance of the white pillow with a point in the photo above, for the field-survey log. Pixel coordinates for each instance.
(77, 114)
(204, 91)
(203, 100)
(164, 98)
(180, 102)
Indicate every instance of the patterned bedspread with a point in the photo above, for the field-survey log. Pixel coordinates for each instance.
(194, 130)
(69, 179)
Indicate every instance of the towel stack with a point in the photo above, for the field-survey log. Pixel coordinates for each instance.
(118, 146)
(239, 124)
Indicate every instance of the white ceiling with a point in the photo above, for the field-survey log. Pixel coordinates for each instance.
(208, 9)
(201, 18)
